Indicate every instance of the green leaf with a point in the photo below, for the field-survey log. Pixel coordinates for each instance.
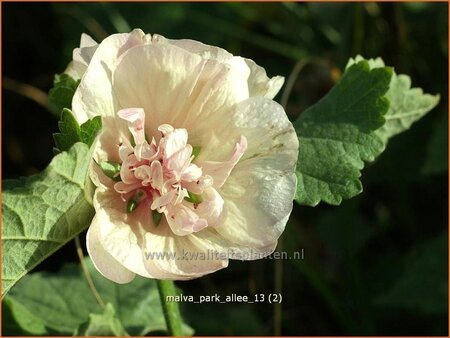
(16, 317)
(407, 105)
(43, 212)
(90, 129)
(104, 324)
(61, 94)
(63, 301)
(337, 136)
(423, 286)
(72, 132)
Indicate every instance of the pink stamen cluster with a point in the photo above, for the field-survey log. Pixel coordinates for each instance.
(160, 175)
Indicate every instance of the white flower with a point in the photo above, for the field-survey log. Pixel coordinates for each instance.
(195, 161)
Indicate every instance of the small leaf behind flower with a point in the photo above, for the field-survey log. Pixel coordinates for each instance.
(89, 130)
(72, 132)
(61, 94)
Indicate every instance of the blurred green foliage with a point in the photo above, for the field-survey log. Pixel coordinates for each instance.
(375, 265)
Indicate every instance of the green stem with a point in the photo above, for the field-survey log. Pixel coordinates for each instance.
(171, 310)
(86, 273)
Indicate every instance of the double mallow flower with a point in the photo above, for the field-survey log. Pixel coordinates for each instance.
(194, 156)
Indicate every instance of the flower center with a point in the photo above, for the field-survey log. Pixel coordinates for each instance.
(160, 175)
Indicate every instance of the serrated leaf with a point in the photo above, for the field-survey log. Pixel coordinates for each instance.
(90, 129)
(63, 301)
(407, 105)
(43, 212)
(61, 94)
(104, 324)
(70, 131)
(337, 136)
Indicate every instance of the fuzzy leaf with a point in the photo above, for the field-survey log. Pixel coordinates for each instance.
(407, 105)
(72, 132)
(43, 212)
(89, 130)
(63, 303)
(104, 324)
(62, 92)
(337, 136)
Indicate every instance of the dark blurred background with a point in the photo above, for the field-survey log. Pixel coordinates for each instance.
(376, 265)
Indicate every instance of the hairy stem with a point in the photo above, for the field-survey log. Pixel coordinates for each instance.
(86, 273)
(171, 310)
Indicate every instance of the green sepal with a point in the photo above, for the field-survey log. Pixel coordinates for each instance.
(111, 169)
(194, 198)
(157, 217)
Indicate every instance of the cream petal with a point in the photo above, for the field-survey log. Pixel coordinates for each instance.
(87, 41)
(191, 258)
(184, 221)
(126, 173)
(108, 148)
(230, 249)
(73, 72)
(165, 128)
(191, 173)
(212, 207)
(94, 94)
(122, 235)
(163, 200)
(125, 188)
(81, 57)
(205, 51)
(144, 151)
(103, 261)
(259, 192)
(136, 119)
(179, 161)
(220, 171)
(199, 185)
(174, 141)
(144, 173)
(157, 175)
(86, 51)
(176, 87)
(259, 84)
(125, 151)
